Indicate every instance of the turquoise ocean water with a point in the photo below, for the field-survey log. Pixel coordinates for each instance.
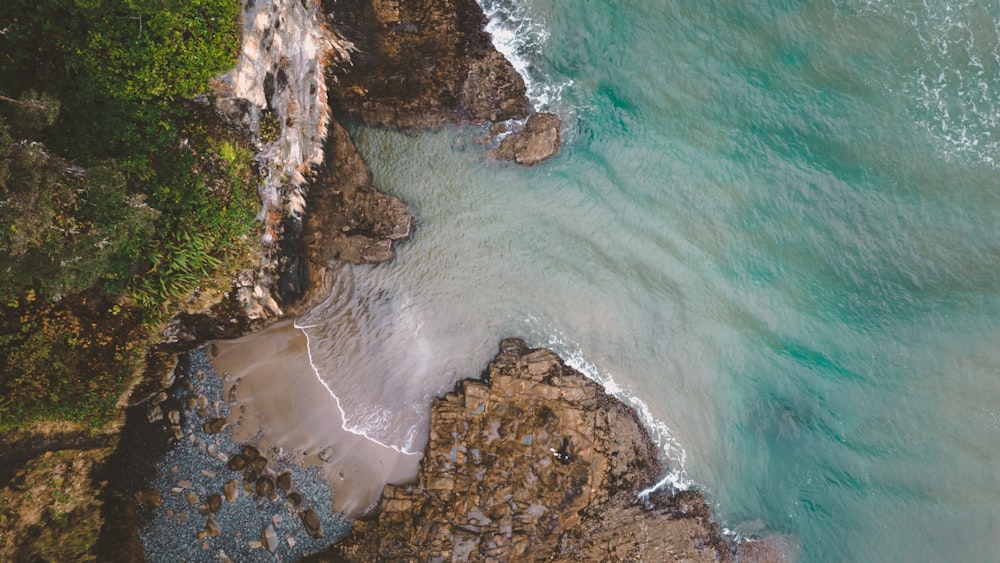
(774, 228)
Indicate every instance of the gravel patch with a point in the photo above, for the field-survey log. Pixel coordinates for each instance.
(183, 527)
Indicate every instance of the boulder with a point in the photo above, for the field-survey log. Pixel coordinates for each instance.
(537, 141)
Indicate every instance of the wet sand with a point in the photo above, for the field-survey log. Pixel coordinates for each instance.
(280, 404)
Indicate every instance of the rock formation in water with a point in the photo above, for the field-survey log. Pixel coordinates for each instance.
(423, 63)
(538, 140)
(352, 221)
(535, 462)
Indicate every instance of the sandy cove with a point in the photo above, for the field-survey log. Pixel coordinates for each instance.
(279, 403)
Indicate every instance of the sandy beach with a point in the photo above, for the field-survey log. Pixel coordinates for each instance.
(280, 404)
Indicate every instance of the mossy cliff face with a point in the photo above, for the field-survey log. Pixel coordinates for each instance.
(535, 462)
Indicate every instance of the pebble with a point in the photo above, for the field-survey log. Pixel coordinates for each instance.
(269, 538)
(265, 486)
(215, 425)
(259, 464)
(159, 398)
(284, 481)
(174, 416)
(212, 527)
(154, 414)
(237, 462)
(231, 490)
(185, 484)
(214, 502)
(207, 473)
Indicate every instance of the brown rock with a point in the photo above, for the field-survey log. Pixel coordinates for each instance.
(237, 463)
(539, 462)
(352, 222)
(265, 486)
(295, 498)
(259, 464)
(312, 523)
(539, 140)
(212, 527)
(214, 502)
(215, 425)
(250, 452)
(284, 481)
(423, 63)
(231, 489)
(149, 498)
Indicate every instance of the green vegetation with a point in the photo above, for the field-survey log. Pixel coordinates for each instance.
(117, 194)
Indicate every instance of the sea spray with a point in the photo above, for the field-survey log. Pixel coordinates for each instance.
(521, 37)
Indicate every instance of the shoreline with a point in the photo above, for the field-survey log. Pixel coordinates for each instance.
(278, 402)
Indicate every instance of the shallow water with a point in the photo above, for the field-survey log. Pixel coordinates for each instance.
(774, 227)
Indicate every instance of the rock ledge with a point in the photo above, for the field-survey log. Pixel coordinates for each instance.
(534, 462)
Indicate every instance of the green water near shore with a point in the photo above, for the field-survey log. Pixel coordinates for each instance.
(775, 224)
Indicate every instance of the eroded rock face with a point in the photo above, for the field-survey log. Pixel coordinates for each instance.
(351, 221)
(538, 140)
(423, 63)
(538, 463)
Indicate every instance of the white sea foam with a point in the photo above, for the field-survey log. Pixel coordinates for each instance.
(353, 429)
(954, 91)
(521, 37)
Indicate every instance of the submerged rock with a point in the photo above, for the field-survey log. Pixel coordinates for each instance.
(538, 463)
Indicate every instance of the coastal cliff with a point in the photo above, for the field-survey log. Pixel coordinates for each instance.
(535, 461)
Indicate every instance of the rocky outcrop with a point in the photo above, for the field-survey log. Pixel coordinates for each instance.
(535, 462)
(358, 223)
(538, 140)
(423, 63)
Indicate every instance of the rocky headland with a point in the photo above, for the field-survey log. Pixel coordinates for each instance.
(535, 462)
